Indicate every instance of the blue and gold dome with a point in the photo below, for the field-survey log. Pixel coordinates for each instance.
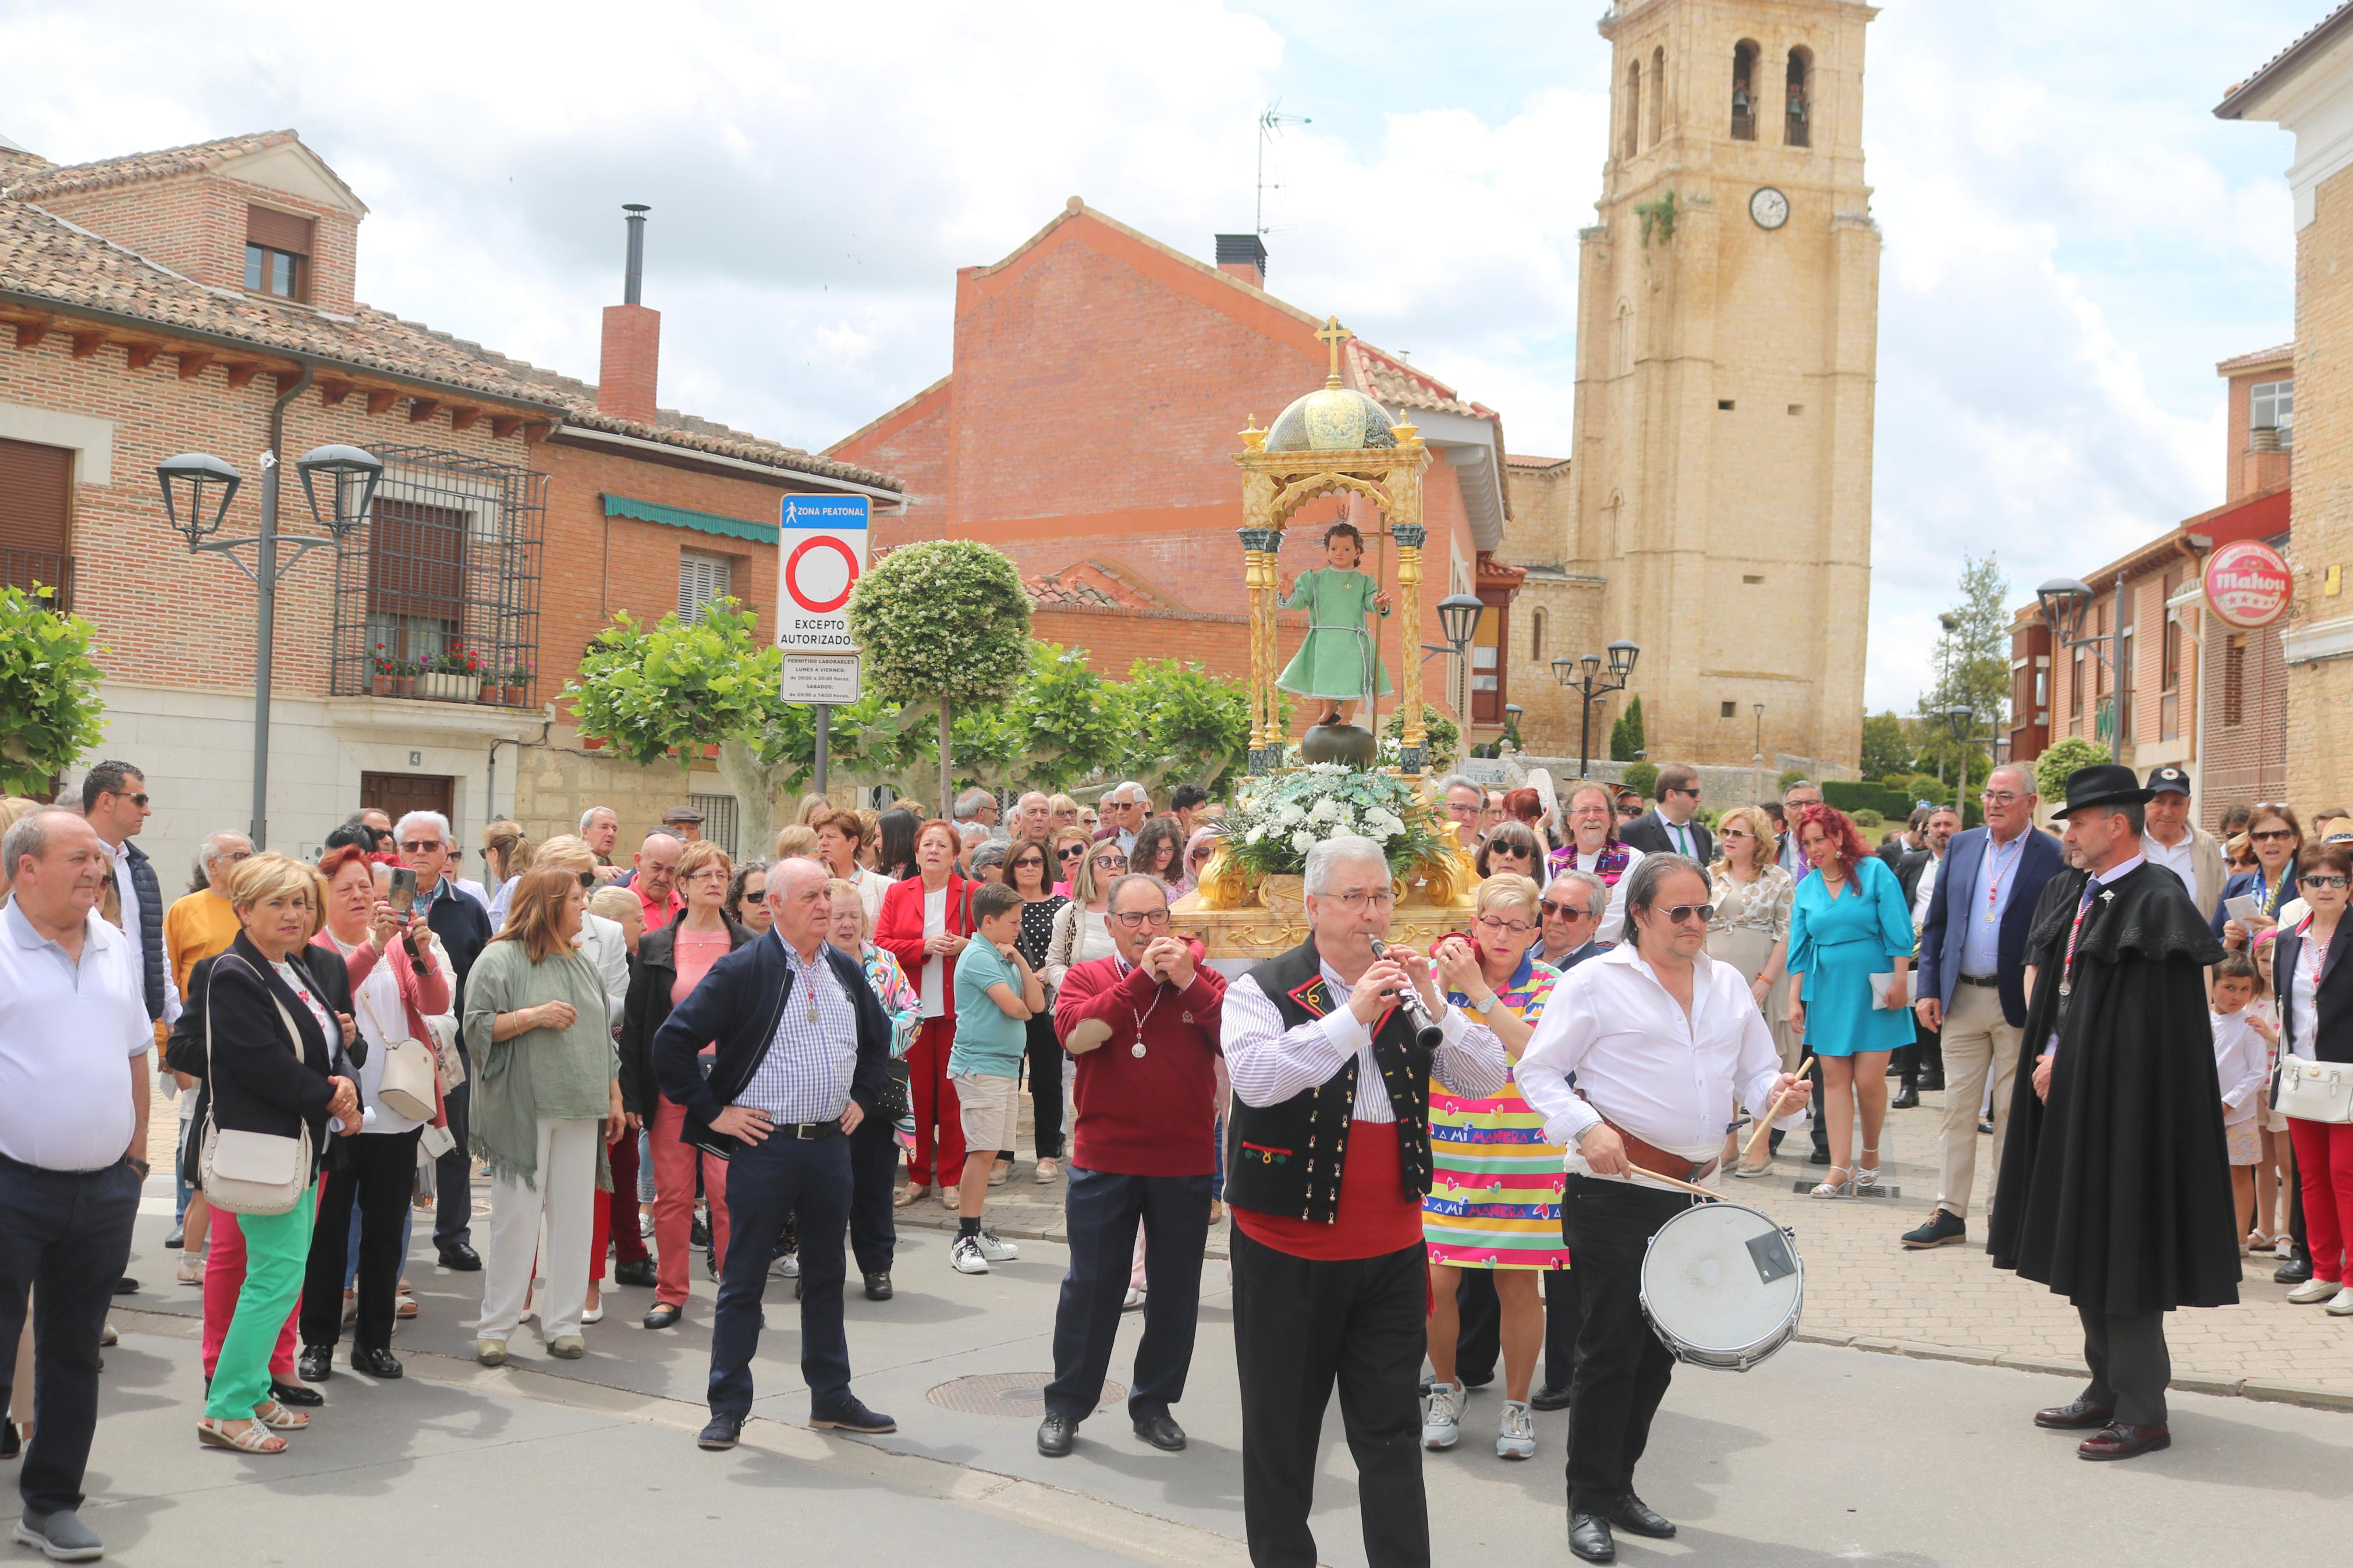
(1331, 418)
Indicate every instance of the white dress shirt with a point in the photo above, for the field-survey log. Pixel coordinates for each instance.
(1613, 919)
(2182, 858)
(932, 983)
(1269, 1064)
(1681, 839)
(1922, 893)
(1667, 1079)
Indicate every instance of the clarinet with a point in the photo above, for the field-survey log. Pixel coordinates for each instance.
(1426, 1034)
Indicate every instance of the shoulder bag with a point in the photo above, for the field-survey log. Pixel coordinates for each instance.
(405, 1087)
(252, 1173)
(2314, 1090)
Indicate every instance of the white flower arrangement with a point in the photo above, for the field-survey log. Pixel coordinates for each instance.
(1278, 819)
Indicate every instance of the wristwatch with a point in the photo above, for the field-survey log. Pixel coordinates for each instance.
(1489, 1005)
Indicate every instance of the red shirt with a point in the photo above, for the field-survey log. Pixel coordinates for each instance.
(1376, 1218)
(657, 915)
(1153, 1115)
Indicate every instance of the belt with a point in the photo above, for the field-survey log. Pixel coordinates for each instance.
(806, 1131)
(1660, 1162)
(1978, 979)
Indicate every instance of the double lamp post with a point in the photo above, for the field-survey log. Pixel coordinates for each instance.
(1583, 676)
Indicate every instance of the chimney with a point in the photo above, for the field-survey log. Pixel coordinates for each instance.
(1244, 256)
(625, 380)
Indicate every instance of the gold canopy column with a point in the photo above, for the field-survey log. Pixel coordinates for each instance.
(1410, 537)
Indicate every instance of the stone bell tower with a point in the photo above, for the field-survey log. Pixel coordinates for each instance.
(1727, 311)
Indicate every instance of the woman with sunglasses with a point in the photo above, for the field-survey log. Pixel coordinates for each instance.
(1082, 929)
(1512, 850)
(1594, 846)
(1070, 847)
(2315, 1006)
(1847, 923)
(1750, 927)
(1029, 871)
(1199, 850)
(1494, 1197)
(2277, 838)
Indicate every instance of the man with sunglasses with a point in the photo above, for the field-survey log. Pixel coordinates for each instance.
(1672, 829)
(1661, 1040)
(1572, 908)
(1143, 1025)
(463, 927)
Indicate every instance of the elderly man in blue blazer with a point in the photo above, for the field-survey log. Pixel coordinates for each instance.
(1972, 980)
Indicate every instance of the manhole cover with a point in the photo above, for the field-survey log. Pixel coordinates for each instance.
(1015, 1394)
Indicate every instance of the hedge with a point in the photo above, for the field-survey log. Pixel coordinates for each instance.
(1853, 796)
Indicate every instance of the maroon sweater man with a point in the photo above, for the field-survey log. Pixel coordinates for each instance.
(1143, 1024)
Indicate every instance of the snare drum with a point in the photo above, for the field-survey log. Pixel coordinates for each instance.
(1722, 1285)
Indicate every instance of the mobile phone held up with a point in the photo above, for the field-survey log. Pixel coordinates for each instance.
(403, 889)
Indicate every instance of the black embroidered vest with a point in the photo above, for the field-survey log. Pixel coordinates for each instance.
(1286, 1159)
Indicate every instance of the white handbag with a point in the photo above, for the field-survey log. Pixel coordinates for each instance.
(252, 1173)
(406, 1085)
(2315, 1091)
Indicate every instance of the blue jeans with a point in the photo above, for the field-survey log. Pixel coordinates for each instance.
(767, 1183)
(1103, 1209)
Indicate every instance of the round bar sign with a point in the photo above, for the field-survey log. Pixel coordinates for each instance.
(2248, 583)
(820, 555)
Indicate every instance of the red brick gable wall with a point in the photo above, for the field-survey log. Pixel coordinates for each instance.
(914, 444)
(194, 225)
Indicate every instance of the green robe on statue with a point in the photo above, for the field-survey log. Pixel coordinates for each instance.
(1331, 662)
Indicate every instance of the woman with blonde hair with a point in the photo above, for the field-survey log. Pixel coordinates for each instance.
(794, 839)
(546, 1103)
(1070, 846)
(1062, 812)
(506, 855)
(1750, 927)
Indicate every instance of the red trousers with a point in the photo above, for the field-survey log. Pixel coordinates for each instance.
(934, 1101)
(224, 1278)
(616, 1222)
(2324, 1159)
(674, 1204)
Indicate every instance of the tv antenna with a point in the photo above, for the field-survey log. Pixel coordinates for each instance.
(1269, 121)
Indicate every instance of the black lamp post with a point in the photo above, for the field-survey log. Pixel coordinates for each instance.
(197, 484)
(2065, 604)
(1591, 688)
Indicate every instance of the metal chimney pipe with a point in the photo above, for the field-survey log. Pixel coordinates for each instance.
(633, 280)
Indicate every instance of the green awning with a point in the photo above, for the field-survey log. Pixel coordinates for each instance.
(684, 517)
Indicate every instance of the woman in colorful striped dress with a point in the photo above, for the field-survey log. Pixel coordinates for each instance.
(1495, 1199)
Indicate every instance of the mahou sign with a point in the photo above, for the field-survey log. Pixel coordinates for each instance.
(2247, 583)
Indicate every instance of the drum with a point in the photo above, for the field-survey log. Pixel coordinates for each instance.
(1722, 1285)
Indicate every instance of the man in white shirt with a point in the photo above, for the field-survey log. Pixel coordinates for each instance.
(74, 1043)
(2179, 845)
(1661, 1040)
(1124, 809)
(1670, 827)
(1923, 1061)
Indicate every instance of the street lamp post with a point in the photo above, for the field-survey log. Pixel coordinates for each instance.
(201, 484)
(2065, 602)
(1583, 676)
(1758, 755)
(1961, 720)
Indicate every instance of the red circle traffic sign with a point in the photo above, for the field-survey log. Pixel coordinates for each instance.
(793, 572)
(2248, 583)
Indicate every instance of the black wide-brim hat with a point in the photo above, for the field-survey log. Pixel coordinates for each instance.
(2103, 784)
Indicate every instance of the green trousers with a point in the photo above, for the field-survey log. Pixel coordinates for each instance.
(277, 1249)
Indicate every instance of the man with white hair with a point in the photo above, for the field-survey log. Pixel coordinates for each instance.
(1033, 817)
(977, 806)
(1327, 1161)
(1124, 807)
(463, 927)
(1465, 805)
(600, 829)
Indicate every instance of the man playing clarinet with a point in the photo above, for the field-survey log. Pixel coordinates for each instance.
(1662, 1039)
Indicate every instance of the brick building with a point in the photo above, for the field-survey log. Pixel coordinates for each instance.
(179, 300)
(2307, 89)
(1088, 427)
(2194, 691)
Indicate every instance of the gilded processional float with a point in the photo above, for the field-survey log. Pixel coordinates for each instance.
(1334, 441)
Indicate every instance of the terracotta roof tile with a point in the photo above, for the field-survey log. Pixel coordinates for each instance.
(2248, 361)
(194, 159)
(2312, 37)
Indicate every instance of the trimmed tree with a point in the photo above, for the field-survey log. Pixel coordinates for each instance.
(49, 690)
(943, 624)
(2062, 757)
(1626, 742)
(1186, 725)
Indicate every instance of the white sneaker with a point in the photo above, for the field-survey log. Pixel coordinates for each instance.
(997, 1251)
(1442, 1421)
(966, 1256)
(787, 1266)
(2312, 1290)
(646, 1223)
(2341, 1305)
(1516, 1438)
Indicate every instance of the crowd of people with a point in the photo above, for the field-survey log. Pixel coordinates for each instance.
(1449, 1158)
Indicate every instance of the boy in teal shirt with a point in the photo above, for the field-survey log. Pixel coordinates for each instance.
(995, 994)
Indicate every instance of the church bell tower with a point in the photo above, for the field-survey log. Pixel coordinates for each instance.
(1727, 310)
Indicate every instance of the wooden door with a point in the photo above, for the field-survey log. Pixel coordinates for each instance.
(395, 794)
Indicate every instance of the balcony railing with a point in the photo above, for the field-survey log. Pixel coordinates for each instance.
(27, 569)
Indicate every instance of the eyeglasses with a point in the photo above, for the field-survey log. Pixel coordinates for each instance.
(1362, 899)
(2271, 834)
(1678, 789)
(2323, 880)
(1498, 851)
(1070, 852)
(1109, 862)
(588, 879)
(1553, 912)
(1037, 860)
(1734, 833)
(1682, 914)
(1497, 923)
(133, 799)
(1630, 812)
(421, 846)
(1134, 922)
(2001, 797)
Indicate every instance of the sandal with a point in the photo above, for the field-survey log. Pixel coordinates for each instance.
(1866, 1175)
(254, 1439)
(1751, 1173)
(1835, 1189)
(911, 1195)
(278, 1418)
(404, 1305)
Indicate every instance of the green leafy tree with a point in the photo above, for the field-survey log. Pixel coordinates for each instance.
(1185, 725)
(1885, 748)
(1973, 665)
(1643, 778)
(2061, 758)
(1442, 739)
(1790, 776)
(942, 624)
(48, 690)
(1626, 740)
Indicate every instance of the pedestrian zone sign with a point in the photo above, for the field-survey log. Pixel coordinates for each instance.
(820, 555)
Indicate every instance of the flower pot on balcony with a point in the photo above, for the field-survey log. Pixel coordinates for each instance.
(404, 686)
(384, 684)
(487, 693)
(441, 686)
(512, 696)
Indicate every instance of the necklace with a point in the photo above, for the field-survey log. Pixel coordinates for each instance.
(1137, 1049)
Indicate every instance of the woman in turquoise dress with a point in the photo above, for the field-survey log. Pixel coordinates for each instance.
(1847, 923)
(1330, 663)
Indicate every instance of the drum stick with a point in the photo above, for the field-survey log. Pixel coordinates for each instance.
(1670, 1181)
(1764, 1122)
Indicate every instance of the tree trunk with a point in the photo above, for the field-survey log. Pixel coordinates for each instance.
(948, 806)
(756, 789)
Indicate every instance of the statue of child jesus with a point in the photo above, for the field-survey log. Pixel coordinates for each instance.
(1330, 664)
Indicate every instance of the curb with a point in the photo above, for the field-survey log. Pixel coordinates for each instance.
(2310, 1395)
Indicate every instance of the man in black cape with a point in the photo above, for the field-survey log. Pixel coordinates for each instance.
(2116, 1185)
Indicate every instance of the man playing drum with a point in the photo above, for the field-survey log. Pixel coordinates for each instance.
(1662, 1039)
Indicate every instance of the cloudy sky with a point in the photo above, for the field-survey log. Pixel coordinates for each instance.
(2073, 240)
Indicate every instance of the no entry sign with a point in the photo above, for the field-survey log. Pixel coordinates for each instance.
(820, 555)
(2248, 583)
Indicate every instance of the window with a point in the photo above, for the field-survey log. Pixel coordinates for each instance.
(276, 253)
(1724, 405)
(1535, 636)
(718, 819)
(2234, 680)
(2075, 686)
(35, 509)
(1795, 130)
(1753, 579)
(1727, 710)
(700, 579)
(2272, 406)
(1634, 109)
(2127, 675)
(1796, 408)
(1658, 95)
(416, 581)
(1625, 337)
(1744, 91)
(2168, 675)
(2041, 685)
(1488, 676)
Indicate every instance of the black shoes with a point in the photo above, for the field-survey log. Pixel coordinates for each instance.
(292, 1393)
(2297, 1271)
(1818, 1157)
(700, 1233)
(1546, 1397)
(1906, 1099)
(1943, 1228)
(461, 1258)
(1162, 1432)
(2076, 1415)
(878, 1285)
(1636, 1517)
(380, 1364)
(1588, 1537)
(664, 1315)
(316, 1363)
(641, 1272)
(1055, 1434)
(721, 1433)
(850, 1416)
(126, 1286)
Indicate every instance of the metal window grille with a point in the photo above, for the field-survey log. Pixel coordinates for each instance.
(700, 579)
(718, 820)
(447, 564)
